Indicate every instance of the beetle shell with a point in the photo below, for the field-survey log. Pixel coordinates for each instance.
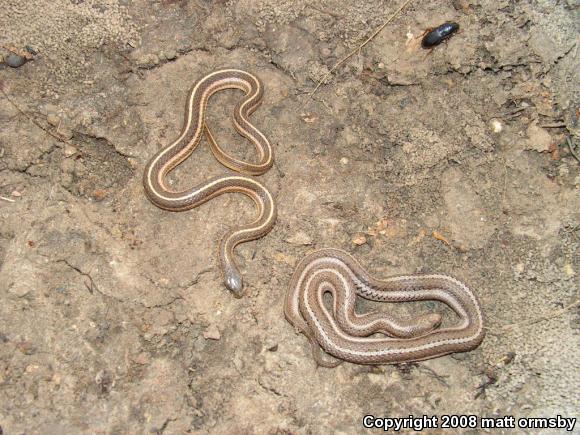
(439, 34)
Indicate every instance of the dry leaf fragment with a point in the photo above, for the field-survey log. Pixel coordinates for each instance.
(437, 235)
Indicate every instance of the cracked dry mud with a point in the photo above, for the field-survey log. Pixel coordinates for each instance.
(113, 316)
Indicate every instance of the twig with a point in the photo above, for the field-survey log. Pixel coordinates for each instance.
(572, 148)
(92, 285)
(359, 48)
(6, 199)
(542, 318)
(491, 380)
(31, 119)
(554, 125)
(509, 114)
(324, 11)
(440, 378)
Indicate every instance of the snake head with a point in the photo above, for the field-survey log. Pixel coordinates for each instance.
(233, 281)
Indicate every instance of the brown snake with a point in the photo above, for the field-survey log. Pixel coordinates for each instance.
(167, 158)
(344, 334)
(348, 336)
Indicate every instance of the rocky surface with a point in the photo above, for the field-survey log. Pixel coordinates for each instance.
(113, 316)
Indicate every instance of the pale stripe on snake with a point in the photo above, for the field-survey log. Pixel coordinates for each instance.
(349, 336)
(166, 159)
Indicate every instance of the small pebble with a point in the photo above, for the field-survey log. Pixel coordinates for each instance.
(359, 239)
(65, 133)
(16, 194)
(69, 150)
(99, 195)
(344, 161)
(539, 139)
(496, 125)
(53, 119)
(171, 54)
(15, 61)
(461, 5)
(148, 61)
(31, 368)
(212, 333)
(19, 290)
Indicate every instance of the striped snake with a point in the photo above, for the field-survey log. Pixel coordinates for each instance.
(170, 156)
(347, 335)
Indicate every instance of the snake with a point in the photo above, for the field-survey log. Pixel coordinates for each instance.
(338, 333)
(240, 180)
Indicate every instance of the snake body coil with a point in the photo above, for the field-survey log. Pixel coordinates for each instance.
(349, 336)
(166, 159)
(343, 334)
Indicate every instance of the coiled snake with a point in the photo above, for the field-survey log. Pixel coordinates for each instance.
(166, 159)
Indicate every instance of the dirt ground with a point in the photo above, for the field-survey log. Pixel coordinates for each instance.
(113, 317)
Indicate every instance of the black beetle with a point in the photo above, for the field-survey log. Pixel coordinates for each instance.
(439, 34)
